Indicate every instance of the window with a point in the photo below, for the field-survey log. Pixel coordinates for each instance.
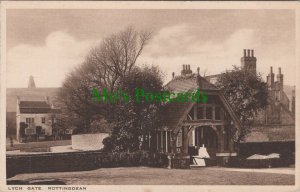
(208, 112)
(43, 120)
(29, 120)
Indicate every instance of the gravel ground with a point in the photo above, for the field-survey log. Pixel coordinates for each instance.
(155, 176)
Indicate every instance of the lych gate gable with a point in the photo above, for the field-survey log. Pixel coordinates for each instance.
(214, 112)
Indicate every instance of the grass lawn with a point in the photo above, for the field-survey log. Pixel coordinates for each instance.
(155, 176)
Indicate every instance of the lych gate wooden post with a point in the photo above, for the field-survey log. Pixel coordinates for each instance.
(173, 138)
(221, 139)
(185, 140)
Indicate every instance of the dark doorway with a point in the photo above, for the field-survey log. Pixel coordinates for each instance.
(206, 136)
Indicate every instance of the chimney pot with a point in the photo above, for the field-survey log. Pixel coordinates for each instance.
(244, 52)
(252, 53)
(271, 69)
(248, 52)
(279, 70)
(173, 75)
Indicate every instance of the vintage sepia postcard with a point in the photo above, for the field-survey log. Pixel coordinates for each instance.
(149, 96)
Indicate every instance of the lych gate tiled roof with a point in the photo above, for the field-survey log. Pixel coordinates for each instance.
(174, 111)
(34, 107)
(188, 83)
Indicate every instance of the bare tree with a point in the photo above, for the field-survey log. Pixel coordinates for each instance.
(102, 68)
(116, 56)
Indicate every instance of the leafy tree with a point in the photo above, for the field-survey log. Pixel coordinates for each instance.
(247, 94)
(136, 119)
(103, 67)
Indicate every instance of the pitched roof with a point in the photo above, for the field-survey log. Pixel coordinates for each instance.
(175, 112)
(28, 94)
(288, 90)
(271, 133)
(189, 83)
(34, 104)
(34, 107)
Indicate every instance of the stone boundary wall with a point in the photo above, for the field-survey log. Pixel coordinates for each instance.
(80, 161)
(88, 142)
(265, 148)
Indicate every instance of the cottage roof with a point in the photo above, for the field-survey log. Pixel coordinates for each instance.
(28, 94)
(271, 133)
(34, 107)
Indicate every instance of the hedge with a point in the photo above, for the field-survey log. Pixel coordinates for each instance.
(80, 161)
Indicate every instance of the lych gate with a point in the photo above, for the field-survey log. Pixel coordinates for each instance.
(209, 124)
(191, 125)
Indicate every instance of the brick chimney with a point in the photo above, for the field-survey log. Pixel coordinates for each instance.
(248, 60)
(280, 79)
(199, 82)
(270, 79)
(183, 70)
(186, 69)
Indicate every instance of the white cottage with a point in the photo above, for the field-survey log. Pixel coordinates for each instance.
(33, 120)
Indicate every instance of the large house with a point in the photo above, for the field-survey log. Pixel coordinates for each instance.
(274, 127)
(192, 125)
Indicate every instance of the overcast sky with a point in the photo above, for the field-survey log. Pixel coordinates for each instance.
(49, 43)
